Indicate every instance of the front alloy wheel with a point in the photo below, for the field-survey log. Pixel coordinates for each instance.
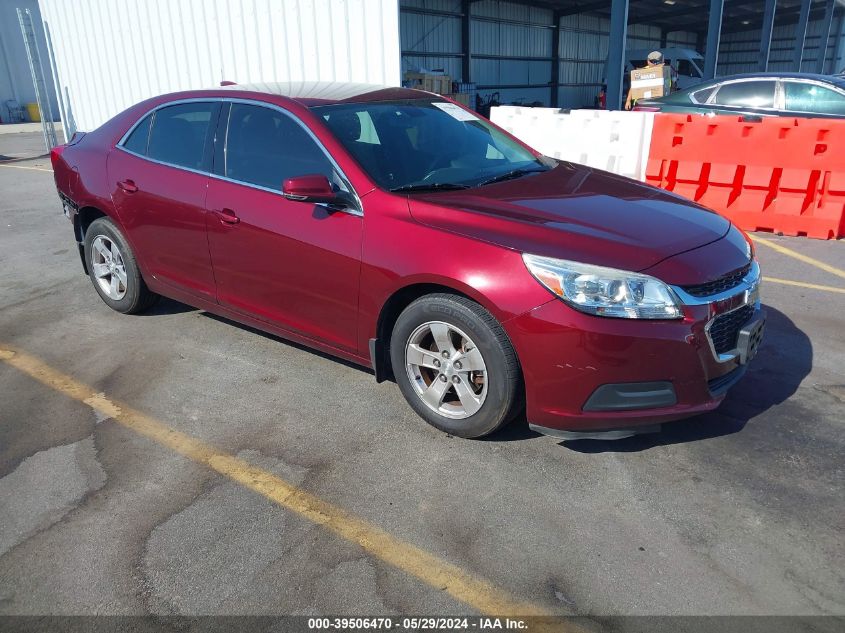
(455, 365)
(446, 370)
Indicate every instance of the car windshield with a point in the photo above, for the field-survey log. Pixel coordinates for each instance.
(419, 145)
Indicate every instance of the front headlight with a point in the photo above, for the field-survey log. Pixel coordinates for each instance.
(605, 291)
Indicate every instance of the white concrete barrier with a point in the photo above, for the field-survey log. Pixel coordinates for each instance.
(610, 140)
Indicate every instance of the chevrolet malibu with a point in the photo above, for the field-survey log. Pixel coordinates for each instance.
(399, 230)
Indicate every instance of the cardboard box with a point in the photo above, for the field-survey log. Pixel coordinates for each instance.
(650, 82)
(461, 97)
(440, 84)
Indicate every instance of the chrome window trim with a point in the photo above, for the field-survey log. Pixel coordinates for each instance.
(155, 109)
(359, 211)
(692, 98)
(161, 162)
(748, 286)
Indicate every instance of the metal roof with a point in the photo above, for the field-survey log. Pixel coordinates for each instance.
(687, 15)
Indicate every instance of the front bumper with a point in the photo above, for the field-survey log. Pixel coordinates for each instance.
(666, 370)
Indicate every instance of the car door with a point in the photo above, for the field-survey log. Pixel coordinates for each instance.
(751, 96)
(159, 175)
(293, 264)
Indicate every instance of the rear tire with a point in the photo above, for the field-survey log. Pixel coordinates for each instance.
(455, 365)
(113, 269)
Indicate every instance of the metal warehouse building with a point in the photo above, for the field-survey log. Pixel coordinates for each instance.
(109, 54)
(556, 51)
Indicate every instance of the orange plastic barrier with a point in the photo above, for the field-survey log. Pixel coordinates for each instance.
(779, 174)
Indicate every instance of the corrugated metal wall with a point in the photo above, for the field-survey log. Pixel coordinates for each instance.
(583, 59)
(113, 53)
(431, 34)
(740, 52)
(522, 36)
(15, 76)
(528, 35)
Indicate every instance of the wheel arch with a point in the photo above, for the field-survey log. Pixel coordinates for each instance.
(81, 221)
(401, 298)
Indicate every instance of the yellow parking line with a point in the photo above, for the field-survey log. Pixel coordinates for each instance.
(475, 592)
(25, 167)
(799, 256)
(789, 282)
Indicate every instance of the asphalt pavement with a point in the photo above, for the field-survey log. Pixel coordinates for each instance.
(737, 512)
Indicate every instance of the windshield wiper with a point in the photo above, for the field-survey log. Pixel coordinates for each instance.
(510, 175)
(433, 186)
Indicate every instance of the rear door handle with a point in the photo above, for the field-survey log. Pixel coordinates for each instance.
(128, 186)
(227, 216)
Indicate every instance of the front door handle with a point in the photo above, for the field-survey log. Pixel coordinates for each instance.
(227, 216)
(128, 186)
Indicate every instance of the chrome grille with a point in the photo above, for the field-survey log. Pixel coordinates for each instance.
(722, 284)
(725, 328)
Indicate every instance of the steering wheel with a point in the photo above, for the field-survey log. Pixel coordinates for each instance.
(434, 166)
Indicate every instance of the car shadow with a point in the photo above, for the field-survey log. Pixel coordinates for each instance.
(166, 306)
(288, 342)
(19, 159)
(784, 360)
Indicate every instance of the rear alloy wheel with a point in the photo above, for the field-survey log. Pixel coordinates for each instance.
(108, 267)
(113, 269)
(455, 365)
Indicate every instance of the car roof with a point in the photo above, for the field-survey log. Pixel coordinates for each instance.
(840, 81)
(317, 93)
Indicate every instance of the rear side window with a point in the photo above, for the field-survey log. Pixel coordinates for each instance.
(804, 97)
(180, 133)
(265, 146)
(748, 94)
(137, 141)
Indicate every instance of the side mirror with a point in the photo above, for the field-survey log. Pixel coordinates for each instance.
(313, 188)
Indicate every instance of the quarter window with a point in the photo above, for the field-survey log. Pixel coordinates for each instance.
(701, 96)
(804, 97)
(265, 146)
(748, 94)
(180, 133)
(137, 141)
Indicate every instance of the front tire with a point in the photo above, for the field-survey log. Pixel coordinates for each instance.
(113, 269)
(455, 365)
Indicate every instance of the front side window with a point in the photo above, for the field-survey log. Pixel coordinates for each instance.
(180, 133)
(806, 97)
(264, 147)
(747, 94)
(417, 142)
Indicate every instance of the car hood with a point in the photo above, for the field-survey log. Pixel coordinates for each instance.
(577, 213)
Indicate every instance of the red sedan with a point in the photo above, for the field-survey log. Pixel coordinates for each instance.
(401, 231)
